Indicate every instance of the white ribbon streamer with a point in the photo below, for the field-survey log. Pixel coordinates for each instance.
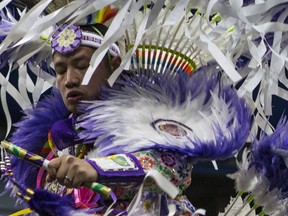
(4, 3)
(163, 183)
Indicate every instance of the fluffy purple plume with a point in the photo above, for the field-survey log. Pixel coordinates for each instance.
(32, 132)
(268, 157)
(49, 204)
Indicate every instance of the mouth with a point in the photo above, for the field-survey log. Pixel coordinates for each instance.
(73, 97)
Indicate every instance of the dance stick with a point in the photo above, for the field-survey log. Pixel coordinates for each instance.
(42, 162)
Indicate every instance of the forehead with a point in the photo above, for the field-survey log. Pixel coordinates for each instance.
(81, 53)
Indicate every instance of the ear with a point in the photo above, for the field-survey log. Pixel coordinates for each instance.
(115, 63)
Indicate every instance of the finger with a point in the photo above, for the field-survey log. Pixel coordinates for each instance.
(68, 170)
(63, 169)
(50, 178)
(52, 167)
(77, 181)
(68, 181)
(83, 172)
(75, 174)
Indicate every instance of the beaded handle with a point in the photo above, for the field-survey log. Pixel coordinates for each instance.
(42, 162)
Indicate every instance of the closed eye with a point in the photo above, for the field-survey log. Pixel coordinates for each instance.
(60, 70)
(82, 66)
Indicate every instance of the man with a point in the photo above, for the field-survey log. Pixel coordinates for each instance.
(68, 167)
(113, 135)
(70, 69)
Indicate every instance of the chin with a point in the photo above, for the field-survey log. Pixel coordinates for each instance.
(72, 108)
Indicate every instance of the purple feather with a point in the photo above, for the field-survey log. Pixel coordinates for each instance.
(50, 204)
(268, 162)
(5, 27)
(32, 131)
(171, 90)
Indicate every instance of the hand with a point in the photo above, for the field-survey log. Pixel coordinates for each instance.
(70, 171)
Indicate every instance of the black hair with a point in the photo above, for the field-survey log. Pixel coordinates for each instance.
(97, 28)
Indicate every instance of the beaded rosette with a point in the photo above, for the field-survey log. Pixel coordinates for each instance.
(67, 38)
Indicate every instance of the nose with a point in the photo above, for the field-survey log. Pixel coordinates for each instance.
(72, 78)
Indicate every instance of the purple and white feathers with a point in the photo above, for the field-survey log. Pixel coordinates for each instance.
(122, 121)
(264, 170)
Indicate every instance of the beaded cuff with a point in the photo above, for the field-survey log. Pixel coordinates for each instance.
(122, 167)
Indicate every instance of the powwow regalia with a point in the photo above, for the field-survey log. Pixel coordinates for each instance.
(196, 78)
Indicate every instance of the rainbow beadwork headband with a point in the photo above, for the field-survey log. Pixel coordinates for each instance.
(67, 38)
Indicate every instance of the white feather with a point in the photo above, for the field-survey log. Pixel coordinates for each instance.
(237, 207)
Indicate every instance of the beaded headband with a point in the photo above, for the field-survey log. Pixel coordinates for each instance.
(67, 38)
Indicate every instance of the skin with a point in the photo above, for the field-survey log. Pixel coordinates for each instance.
(70, 70)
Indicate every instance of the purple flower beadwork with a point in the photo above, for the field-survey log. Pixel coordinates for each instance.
(183, 171)
(168, 159)
(66, 39)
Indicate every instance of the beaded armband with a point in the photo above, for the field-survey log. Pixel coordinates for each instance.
(118, 168)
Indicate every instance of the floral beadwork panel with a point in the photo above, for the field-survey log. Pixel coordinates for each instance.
(172, 165)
